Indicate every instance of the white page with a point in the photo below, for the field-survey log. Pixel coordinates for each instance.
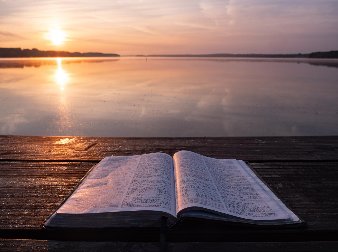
(126, 184)
(194, 185)
(268, 191)
(152, 187)
(222, 185)
(242, 195)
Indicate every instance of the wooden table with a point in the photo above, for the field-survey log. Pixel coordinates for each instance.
(37, 173)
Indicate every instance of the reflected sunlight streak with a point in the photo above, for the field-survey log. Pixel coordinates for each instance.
(61, 76)
(65, 121)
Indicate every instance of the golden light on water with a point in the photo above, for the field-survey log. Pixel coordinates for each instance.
(61, 77)
(65, 120)
(56, 35)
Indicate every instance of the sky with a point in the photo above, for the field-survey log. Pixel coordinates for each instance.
(129, 27)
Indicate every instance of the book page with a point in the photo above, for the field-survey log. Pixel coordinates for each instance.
(194, 185)
(125, 184)
(152, 185)
(222, 185)
(242, 195)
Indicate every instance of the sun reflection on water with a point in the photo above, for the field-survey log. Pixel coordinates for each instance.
(64, 122)
(61, 76)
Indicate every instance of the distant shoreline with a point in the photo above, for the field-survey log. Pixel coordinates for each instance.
(322, 55)
(227, 55)
(35, 53)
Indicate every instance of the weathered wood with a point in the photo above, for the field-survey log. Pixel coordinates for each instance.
(30, 192)
(310, 189)
(37, 174)
(96, 148)
(71, 246)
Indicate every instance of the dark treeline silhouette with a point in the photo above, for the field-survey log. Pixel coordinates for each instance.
(229, 55)
(23, 53)
(324, 55)
(331, 54)
(19, 53)
(22, 63)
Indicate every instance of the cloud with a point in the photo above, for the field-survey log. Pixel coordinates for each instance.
(216, 11)
(8, 36)
(144, 30)
(193, 26)
(234, 26)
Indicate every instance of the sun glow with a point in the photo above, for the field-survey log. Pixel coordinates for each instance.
(56, 35)
(61, 76)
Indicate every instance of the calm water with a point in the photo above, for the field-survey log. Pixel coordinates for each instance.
(168, 97)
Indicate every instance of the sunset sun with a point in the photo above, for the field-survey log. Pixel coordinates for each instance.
(57, 36)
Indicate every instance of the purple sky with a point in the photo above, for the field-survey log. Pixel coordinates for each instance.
(168, 27)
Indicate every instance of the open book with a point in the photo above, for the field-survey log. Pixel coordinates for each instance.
(136, 191)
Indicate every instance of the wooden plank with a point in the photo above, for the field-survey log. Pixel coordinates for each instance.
(48, 245)
(30, 192)
(37, 173)
(96, 148)
(23, 245)
(310, 189)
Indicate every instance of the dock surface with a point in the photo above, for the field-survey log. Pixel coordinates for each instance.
(38, 173)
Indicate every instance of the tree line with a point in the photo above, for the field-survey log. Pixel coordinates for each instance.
(20, 53)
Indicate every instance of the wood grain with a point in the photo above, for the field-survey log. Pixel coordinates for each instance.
(37, 174)
(71, 246)
(96, 148)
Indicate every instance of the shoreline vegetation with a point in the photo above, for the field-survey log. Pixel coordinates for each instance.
(35, 53)
(330, 54)
(31, 53)
(229, 55)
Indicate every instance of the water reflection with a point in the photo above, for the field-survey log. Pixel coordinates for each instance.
(64, 120)
(169, 97)
(39, 62)
(61, 76)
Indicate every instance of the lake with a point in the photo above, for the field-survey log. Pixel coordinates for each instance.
(168, 97)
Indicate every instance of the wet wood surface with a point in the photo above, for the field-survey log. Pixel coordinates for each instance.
(94, 148)
(70, 246)
(37, 174)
